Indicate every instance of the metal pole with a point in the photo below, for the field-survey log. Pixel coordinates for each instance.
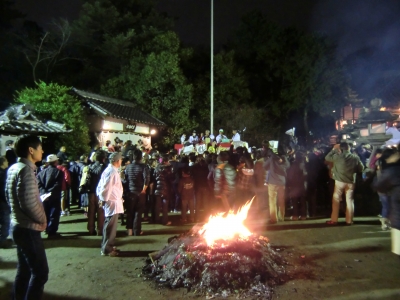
(212, 70)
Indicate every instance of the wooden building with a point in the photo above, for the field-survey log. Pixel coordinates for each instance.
(110, 118)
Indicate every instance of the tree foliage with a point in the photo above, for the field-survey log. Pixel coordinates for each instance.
(289, 70)
(106, 34)
(154, 79)
(52, 102)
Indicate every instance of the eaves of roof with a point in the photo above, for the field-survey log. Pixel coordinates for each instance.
(119, 109)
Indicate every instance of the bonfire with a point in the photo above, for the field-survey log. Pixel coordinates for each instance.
(220, 258)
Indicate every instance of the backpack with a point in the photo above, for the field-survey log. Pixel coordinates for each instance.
(84, 185)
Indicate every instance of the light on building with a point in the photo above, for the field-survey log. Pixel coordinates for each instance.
(153, 131)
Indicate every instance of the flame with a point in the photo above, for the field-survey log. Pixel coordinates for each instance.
(220, 227)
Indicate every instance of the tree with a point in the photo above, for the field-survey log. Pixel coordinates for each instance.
(12, 71)
(289, 70)
(106, 34)
(314, 78)
(154, 80)
(52, 101)
(44, 50)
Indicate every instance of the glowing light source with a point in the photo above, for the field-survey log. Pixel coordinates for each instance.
(153, 131)
(227, 227)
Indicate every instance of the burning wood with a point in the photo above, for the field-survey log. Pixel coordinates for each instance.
(221, 258)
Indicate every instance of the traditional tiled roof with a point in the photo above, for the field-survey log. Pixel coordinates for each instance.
(116, 108)
(20, 119)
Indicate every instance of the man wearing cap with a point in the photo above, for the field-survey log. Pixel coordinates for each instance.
(193, 139)
(10, 153)
(220, 136)
(109, 190)
(50, 182)
(236, 136)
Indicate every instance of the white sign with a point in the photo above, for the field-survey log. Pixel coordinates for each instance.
(188, 149)
(201, 148)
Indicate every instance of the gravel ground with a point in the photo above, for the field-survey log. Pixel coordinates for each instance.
(340, 262)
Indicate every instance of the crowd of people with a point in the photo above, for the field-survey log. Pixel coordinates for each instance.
(124, 181)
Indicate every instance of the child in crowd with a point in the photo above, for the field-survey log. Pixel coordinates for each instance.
(186, 192)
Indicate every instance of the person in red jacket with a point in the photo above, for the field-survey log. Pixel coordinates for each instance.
(65, 186)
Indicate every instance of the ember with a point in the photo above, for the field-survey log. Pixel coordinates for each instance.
(213, 261)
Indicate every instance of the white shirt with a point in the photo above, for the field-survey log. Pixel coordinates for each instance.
(236, 137)
(220, 137)
(110, 190)
(183, 139)
(193, 139)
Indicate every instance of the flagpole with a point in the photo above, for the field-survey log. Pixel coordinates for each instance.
(212, 70)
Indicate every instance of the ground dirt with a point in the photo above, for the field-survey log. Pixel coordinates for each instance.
(340, 262)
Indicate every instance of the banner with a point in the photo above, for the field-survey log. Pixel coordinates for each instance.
(274, 146)
(201, 148)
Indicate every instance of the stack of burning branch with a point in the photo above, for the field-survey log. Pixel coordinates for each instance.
(221, 258)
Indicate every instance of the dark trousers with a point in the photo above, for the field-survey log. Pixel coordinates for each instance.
(32, 268)
(74, 192)
(188, 203)
(299, 202)
(95, 210)
(202, 200)
(134, 209)
(109, 233)
(176, 198)
(161, 204)
(52, 208)
(311, 195)
(4, 221)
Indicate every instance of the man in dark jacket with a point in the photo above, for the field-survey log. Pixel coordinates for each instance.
(389, 182)
(62, 155)
(276, 165)
(163, 177)
(74, 171)
(345, 167)
(10, 153)
(137, 176)
(49, 182)
(199, 172)
(4, 206)
(96, 210)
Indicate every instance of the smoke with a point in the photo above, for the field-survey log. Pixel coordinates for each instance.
(367, 37)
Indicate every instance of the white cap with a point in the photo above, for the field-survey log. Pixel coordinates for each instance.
(51, 158)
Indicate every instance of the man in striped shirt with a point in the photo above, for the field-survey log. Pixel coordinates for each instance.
(28, 219)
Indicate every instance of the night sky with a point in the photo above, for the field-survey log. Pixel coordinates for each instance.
(364, 30)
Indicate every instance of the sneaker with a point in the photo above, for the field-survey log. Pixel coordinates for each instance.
(54, 235)
(62, 213)
(111, 254)
(385, 223)
(293, 218)
(331, 223)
